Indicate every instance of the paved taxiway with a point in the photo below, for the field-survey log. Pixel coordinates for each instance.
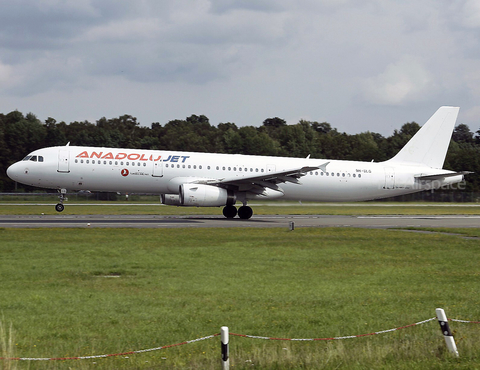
(155, 221)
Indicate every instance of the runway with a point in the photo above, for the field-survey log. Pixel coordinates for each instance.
(279, 221)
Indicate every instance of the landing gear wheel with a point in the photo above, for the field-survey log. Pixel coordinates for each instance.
(229, 211)
(59, 207)
(245, 212)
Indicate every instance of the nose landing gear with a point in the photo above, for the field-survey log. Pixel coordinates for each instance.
(59, 207)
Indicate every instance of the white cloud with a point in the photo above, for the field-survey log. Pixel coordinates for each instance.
(470, 14)
(405, 81)
(123, 31)
(239, 60)
(5, 74)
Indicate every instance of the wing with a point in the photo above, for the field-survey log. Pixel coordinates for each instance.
(270, 180)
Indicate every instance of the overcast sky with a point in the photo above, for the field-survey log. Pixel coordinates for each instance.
(367, 65)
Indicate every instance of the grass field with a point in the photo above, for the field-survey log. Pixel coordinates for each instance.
(77, 292)
(264, 208)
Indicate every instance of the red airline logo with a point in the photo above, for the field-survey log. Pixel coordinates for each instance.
(110, 155)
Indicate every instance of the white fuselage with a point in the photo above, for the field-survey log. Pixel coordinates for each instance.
(162, 172)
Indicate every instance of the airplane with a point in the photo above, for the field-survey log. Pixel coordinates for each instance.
(194, 179)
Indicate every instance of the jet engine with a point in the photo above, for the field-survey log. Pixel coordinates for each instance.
(200, 195)
(170, 199)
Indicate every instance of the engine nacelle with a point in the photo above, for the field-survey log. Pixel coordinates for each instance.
(200, 195)
(170, 199)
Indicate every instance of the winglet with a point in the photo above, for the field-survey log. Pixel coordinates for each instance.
(323, 167)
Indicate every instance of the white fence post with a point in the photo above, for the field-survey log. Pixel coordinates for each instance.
(447, 334)
(225, 349)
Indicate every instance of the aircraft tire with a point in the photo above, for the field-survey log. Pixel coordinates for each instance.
(229, 211)
(59, 207)
(245, 212)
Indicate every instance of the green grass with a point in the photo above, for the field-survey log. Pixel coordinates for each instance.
(76, 292)
(267, 208)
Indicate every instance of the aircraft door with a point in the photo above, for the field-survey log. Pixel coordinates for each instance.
(389, 178)
(157, 168)
(63, 161)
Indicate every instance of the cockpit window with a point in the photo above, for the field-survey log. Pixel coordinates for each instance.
(33, 158)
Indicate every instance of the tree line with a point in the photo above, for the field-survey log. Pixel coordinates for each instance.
(20, 134)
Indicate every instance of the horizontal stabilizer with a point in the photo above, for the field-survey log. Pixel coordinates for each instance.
(442, 176)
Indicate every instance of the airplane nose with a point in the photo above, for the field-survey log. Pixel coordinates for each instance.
(15, 170)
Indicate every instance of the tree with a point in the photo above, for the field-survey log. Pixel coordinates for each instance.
(322, 128)
(462, 134)
(55, 136)
(274, 122)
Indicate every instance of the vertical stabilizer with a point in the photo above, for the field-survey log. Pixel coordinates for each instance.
(430, 144)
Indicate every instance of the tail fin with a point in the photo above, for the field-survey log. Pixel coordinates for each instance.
(430, 144)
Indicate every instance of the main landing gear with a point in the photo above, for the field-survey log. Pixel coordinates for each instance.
(244, 212)
(59, 207)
